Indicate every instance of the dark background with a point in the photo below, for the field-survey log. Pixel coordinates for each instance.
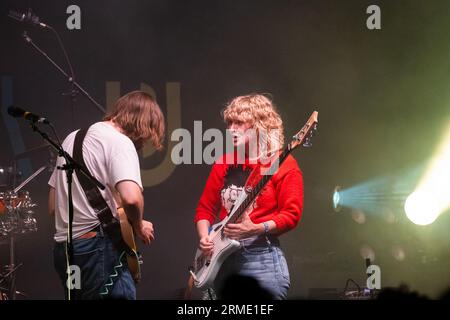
(382, 96)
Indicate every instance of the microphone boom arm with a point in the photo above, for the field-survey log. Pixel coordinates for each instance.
(69, 78)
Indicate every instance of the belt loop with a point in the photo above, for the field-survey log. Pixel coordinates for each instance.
(268, 242)
(100, 230)
(244, 243)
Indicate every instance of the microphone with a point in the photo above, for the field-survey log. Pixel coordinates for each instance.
(17, 112)
(28, 17)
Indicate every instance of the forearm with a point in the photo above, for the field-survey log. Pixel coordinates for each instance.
(132, 201)
(51, 201)
(203, 228)
(134, 212)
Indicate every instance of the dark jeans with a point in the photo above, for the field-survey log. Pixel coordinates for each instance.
(96, 257)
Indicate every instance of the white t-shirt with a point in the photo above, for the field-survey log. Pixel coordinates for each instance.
(110, 157)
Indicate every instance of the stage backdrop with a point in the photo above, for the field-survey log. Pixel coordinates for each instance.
(382, 95)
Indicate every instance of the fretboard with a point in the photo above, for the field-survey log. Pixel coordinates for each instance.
(251, 195)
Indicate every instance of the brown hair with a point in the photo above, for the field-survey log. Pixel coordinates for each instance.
(140, 117)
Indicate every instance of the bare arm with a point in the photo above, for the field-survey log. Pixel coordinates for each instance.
(51, 201)
(202, 228)
(132, 202)
(205, 244)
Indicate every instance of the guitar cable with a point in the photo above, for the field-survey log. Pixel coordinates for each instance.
(112, 276)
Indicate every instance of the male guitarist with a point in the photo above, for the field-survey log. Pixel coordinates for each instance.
(109, 151)
(276, 210)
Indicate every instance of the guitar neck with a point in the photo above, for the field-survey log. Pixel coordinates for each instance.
(303, 137)
(251, 196)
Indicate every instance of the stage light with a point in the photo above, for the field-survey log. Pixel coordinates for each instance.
(337, 199)
(421, 208)
(432, 195)
(366, 196)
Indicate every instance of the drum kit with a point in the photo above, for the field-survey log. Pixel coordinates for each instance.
(16, 219)
(16, 213)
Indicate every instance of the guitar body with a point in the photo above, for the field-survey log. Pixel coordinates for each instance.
(133, 259)
(206, 268)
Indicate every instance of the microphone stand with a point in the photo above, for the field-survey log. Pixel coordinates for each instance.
(70, 164)
(69, 167)
(69, 77)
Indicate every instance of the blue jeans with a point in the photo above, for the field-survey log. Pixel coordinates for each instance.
(96, 257)
(261, 260)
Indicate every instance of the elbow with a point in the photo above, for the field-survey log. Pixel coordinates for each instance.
(132, 200)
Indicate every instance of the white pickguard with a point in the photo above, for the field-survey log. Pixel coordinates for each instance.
(206, 268)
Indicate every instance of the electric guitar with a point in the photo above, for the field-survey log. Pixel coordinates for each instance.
(134, 259)
(205, 268)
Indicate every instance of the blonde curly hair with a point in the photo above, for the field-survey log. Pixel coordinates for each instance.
(262, 115)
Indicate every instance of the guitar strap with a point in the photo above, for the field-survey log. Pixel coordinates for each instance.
(109, 223)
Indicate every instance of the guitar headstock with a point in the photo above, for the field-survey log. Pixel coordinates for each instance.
(304, 136)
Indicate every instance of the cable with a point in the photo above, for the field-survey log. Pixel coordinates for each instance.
(346, 286)
(69, 243)
(65, 54)
(68, 227)
(72, 94)
(68, 273)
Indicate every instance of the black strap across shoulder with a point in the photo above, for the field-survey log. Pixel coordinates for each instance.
(109, 223)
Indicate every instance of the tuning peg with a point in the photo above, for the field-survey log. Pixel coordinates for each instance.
(307, 143)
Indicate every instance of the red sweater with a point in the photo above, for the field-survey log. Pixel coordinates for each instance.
(281, 200)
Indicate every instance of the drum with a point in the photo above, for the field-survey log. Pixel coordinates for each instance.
(18, 214)
(20, 200)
